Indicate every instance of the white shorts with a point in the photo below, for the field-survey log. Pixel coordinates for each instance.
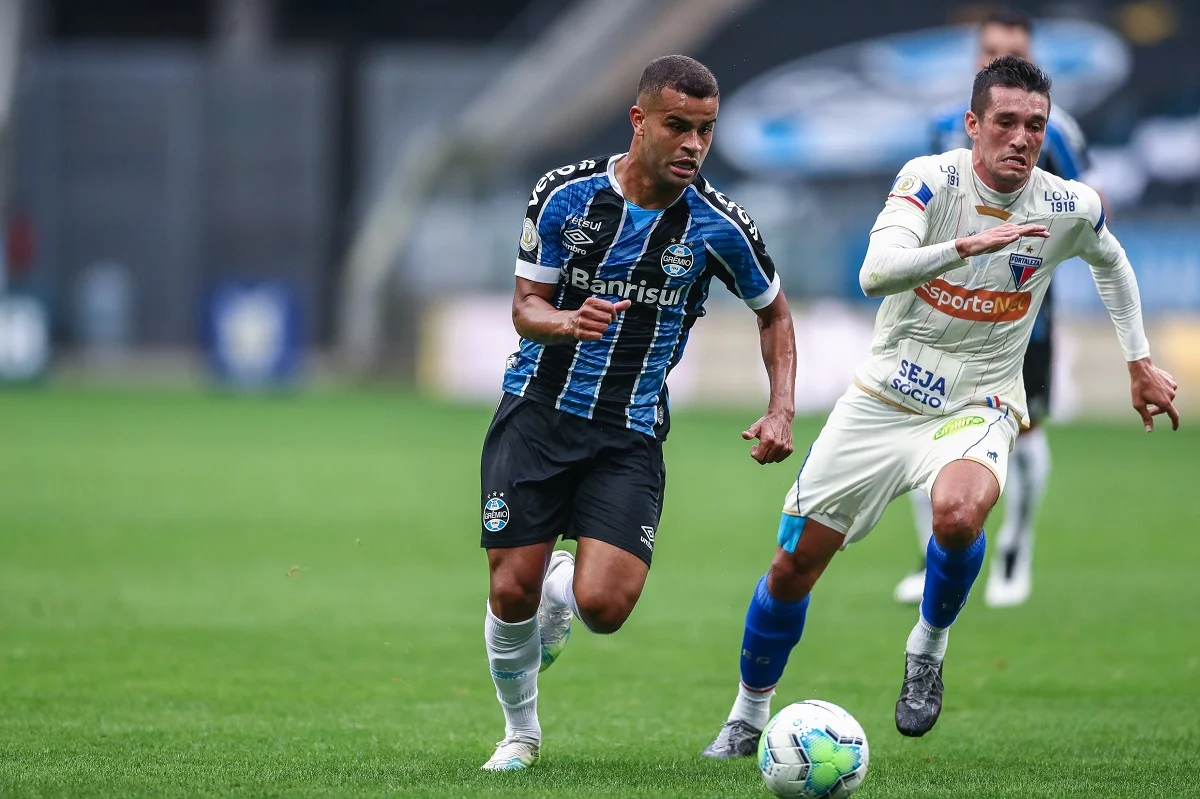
(870, 452)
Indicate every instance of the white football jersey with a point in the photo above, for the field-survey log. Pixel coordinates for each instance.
(960, 338)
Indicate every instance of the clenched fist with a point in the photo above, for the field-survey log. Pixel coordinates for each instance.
(594, 317)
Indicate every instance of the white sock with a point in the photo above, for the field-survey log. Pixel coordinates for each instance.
(752, 707)
(515, 655)
(922, 507)
(925, 639)
(1028, 471)
(559, 589)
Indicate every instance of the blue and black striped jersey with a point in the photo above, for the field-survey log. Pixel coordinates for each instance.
(581, 234)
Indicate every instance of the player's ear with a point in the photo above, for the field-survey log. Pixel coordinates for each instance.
(972, 124)
(637, 116)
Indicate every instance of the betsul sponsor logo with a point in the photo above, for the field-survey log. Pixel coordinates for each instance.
(975, 305)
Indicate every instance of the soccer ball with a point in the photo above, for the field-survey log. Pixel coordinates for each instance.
(812, 750)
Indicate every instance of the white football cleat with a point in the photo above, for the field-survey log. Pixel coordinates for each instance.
(514, 753)
(554, 622)
(911, 589)
(1010, 579)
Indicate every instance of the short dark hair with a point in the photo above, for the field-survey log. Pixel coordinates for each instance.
(1009, 18)
(1007, 71)
(681, 73)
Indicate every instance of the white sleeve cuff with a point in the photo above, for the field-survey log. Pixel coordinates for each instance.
(766, 298)
(536, 272)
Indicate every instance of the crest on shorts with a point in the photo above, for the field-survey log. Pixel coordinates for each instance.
(1023, 267)
(495, 512)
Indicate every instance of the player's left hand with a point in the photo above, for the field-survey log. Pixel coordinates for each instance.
(1153, 391)
(774, 434)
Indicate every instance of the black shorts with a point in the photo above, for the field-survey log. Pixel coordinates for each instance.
(1037, 372)
(1039, 361)
(547, 473)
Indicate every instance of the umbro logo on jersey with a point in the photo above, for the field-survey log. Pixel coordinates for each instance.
(1023, 267)
(577, 237)
(648, 536)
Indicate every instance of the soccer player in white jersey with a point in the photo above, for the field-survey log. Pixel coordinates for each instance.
(963, 252)
(1010, 578)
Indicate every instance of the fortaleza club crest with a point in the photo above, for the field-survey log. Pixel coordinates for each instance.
(677, 260)
(495, 512)
(1023, 267)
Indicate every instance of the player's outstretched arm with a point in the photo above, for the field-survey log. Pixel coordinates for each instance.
(537, 320)
(1151, 388)
(896, 262)
(777, 338)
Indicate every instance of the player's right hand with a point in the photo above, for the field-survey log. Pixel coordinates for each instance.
(998, 238)
(594, 317)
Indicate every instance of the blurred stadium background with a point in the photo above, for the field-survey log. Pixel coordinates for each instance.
(307, 190)
(324, 197)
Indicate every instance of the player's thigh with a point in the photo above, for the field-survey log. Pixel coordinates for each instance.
(527, 474)
(978, 434)
(618, 499)
(853, 470)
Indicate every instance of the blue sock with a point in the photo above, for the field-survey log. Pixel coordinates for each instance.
(773, 628)
(949, 574)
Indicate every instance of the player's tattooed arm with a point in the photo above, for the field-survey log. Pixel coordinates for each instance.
(777, 338)
(537, 320)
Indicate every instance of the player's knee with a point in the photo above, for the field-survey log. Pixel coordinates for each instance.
(601, 610)
(514, 599)
(791, 577)
(956, 523)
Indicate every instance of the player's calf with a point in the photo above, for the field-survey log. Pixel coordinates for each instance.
(607, 584)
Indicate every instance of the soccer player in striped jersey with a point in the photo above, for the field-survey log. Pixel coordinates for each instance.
(1064, 153)
(616, 259)
(963, 251)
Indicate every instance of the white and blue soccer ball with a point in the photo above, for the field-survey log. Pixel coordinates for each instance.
(813, 750)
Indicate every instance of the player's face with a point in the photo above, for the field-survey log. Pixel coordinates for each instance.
(675, 131)
(997, 40)
(1008, 139)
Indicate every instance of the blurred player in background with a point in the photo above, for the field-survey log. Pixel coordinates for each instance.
(1010, 579)
(963, 251)
(613, 269)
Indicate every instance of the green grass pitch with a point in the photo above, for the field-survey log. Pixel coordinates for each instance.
(214, 596)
